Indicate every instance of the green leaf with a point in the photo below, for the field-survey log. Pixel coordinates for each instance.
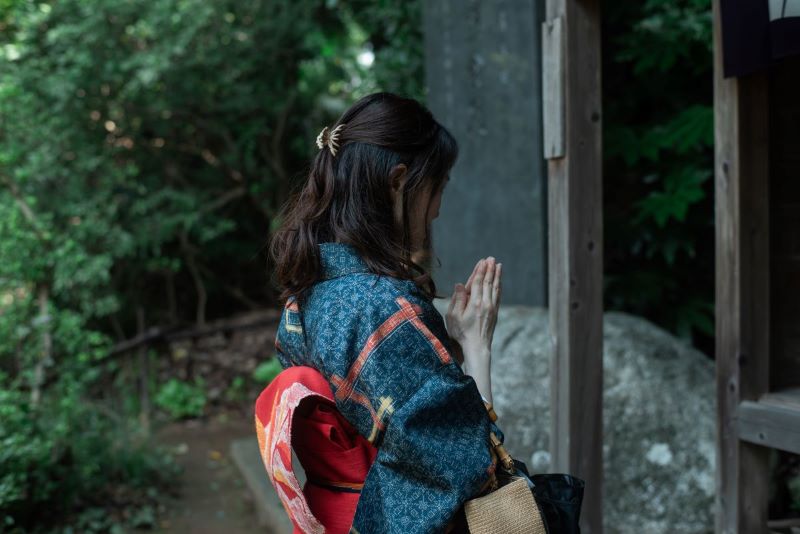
(682, 189)
(267, 371)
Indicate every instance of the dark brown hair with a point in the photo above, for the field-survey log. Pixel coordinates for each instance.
(347, 198)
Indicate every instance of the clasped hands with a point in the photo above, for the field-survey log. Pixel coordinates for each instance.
(471, 319)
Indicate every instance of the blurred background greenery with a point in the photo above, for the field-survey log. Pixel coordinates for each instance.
(145, 149)
(658, 162)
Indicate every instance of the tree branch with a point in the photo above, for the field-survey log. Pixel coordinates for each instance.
(228, 196)
(26, 210)
(200, 288)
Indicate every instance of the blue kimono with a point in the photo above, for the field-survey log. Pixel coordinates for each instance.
(386, 353)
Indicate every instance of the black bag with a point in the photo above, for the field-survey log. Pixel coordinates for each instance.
(555, 507)
(558, 495)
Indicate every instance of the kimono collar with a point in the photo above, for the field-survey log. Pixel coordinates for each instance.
(339, 259)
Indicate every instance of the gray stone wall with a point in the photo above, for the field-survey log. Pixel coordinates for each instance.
(483, 83)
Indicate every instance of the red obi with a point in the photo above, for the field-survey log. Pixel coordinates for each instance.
(297, 411)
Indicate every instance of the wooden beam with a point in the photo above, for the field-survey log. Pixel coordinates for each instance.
(770, 424)
(742, 288)
(553, 88)
(575, 209)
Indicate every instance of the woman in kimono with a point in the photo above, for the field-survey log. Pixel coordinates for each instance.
(352, 258)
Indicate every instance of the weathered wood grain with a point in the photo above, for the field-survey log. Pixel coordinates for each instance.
(771, 424)
(742, 288)
(576, 260)
(553, 87)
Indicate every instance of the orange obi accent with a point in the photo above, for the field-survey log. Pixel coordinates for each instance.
(297, 411)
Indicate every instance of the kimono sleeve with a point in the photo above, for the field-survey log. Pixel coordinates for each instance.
(411, 399)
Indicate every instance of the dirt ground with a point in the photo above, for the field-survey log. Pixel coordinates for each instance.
(214, 498)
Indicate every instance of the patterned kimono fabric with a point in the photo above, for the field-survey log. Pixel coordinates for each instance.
(371, 396)
(297, 411)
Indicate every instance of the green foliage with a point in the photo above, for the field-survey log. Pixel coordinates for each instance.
(666, 34)
(237, 390)
(682, 188)
(67, 458)
(172, 133)
(393, 31)
(267, 371)
(658, 162)
(794, 491)
(182, 399)
(143, 145)
(96, 519)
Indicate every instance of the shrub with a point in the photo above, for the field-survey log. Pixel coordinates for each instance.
(267, 371)
(182, 399)
(68, 462)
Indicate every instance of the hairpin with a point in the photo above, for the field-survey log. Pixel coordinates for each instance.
(329, 138)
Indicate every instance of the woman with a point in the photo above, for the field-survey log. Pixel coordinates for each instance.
(352, 257)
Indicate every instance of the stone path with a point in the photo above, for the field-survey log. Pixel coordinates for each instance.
(214, 497)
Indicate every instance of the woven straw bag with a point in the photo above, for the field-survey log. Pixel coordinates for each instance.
(510, 509)
(513, 505)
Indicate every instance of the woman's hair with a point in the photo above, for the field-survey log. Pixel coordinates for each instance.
(347, 198)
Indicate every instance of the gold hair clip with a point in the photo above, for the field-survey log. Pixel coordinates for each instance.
(329, 138)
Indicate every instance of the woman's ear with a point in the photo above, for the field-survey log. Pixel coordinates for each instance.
(397, 177)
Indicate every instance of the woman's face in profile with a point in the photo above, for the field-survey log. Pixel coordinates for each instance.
(423, 212)
(434, 203)
(423, 209)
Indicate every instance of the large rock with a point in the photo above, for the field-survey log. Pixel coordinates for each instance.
(659, 409)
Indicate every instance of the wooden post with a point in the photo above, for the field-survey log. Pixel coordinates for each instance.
(741, 172)
(573, 146)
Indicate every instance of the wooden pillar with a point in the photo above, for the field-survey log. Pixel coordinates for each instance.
(741, 176)
(573, 147)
